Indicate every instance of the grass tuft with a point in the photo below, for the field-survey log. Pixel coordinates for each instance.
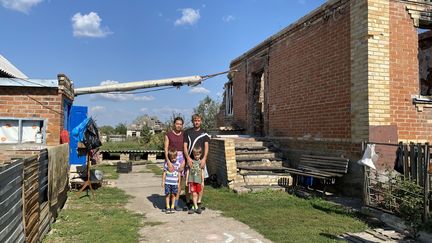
(281, 217)
(155, 169)
(109, 171)
(101, 220)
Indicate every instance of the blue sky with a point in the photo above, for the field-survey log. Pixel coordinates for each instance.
(95, 42)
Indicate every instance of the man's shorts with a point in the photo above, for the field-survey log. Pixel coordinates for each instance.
(194, 187)
(171, 189)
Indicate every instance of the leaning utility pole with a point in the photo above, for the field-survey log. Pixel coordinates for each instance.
(124, 87)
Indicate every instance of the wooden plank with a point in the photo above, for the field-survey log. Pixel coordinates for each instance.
(325, 157)
(406, 161)
(327, 172)
(263, 168)
(323, 162)
(300, 172)
(323, 167)
(329, 162)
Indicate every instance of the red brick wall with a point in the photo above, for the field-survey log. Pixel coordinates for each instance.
(22, 102)
(240, 95)
(309, 86)
(404, 77)
(308, 76)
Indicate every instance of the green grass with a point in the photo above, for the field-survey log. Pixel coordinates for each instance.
(155, 169)
(101, 220)
(281, 217)
(133, 144)
(109, 171)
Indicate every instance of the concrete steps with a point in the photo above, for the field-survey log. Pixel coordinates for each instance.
(264, 162)
(258, 167)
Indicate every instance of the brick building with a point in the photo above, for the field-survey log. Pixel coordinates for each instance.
(350, 71)
(32, 113)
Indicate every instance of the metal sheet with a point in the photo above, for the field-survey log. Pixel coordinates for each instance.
(9, 69)
(16, 82)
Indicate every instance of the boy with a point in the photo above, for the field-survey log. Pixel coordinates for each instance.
(196, 137)
(171, 181)
(195, 179)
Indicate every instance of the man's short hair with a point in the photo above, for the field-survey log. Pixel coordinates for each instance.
(196, 116)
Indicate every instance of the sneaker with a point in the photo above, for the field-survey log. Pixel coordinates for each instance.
(167, 211)
(177, 208)
(202, 207)
(164, 210)
(191, 211)
(198, 211)
(171, 210)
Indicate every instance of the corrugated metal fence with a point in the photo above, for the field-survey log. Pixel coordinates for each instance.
(11, 219)
(32, 190)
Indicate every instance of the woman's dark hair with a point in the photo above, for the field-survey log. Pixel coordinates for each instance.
(178, 119)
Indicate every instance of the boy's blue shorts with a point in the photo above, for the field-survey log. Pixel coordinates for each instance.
(171, 189)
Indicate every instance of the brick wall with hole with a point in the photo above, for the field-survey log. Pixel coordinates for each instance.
(308, 81)
(413, 123)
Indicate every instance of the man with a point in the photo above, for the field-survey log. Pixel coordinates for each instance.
(196, 137)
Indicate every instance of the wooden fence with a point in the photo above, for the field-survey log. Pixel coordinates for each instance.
(378, 185)
(32, 191)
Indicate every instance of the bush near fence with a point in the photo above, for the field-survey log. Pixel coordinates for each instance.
(32, 191)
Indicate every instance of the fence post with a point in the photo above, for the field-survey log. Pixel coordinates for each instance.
(419, 162)
(406, 162)
(426, 182)
(412, 161)
(366, 194)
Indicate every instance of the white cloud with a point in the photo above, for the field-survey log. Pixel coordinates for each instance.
(88, 25)
(199, 90)
(119, 96)
(228, 18)
(97, 108)
(20, 5)
(189, 16)
(144, 109)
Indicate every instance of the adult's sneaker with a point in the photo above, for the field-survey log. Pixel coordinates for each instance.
(198, 211)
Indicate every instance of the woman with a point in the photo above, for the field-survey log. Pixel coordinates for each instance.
(174, 139)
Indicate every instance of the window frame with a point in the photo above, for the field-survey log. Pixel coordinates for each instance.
(20, 128)
(229, 99)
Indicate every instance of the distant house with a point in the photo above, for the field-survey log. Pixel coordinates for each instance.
(152, 122)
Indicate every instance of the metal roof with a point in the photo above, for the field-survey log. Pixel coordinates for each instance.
(9, 69)
(18, 82)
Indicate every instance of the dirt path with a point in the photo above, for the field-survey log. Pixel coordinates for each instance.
(210, 226)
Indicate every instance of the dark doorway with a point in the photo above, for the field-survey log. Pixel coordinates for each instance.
(425, 62)
(258, 104)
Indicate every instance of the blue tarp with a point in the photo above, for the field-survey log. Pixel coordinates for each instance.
(78, 131)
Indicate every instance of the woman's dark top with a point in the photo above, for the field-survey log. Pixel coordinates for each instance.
(175, 141)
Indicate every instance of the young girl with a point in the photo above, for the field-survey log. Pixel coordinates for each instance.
(195, 179)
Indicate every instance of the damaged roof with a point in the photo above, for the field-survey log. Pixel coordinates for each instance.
(8, 70)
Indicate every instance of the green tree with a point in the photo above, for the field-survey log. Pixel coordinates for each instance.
(107, 130)
(145, 134)
(208, 109)
(121, 129)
